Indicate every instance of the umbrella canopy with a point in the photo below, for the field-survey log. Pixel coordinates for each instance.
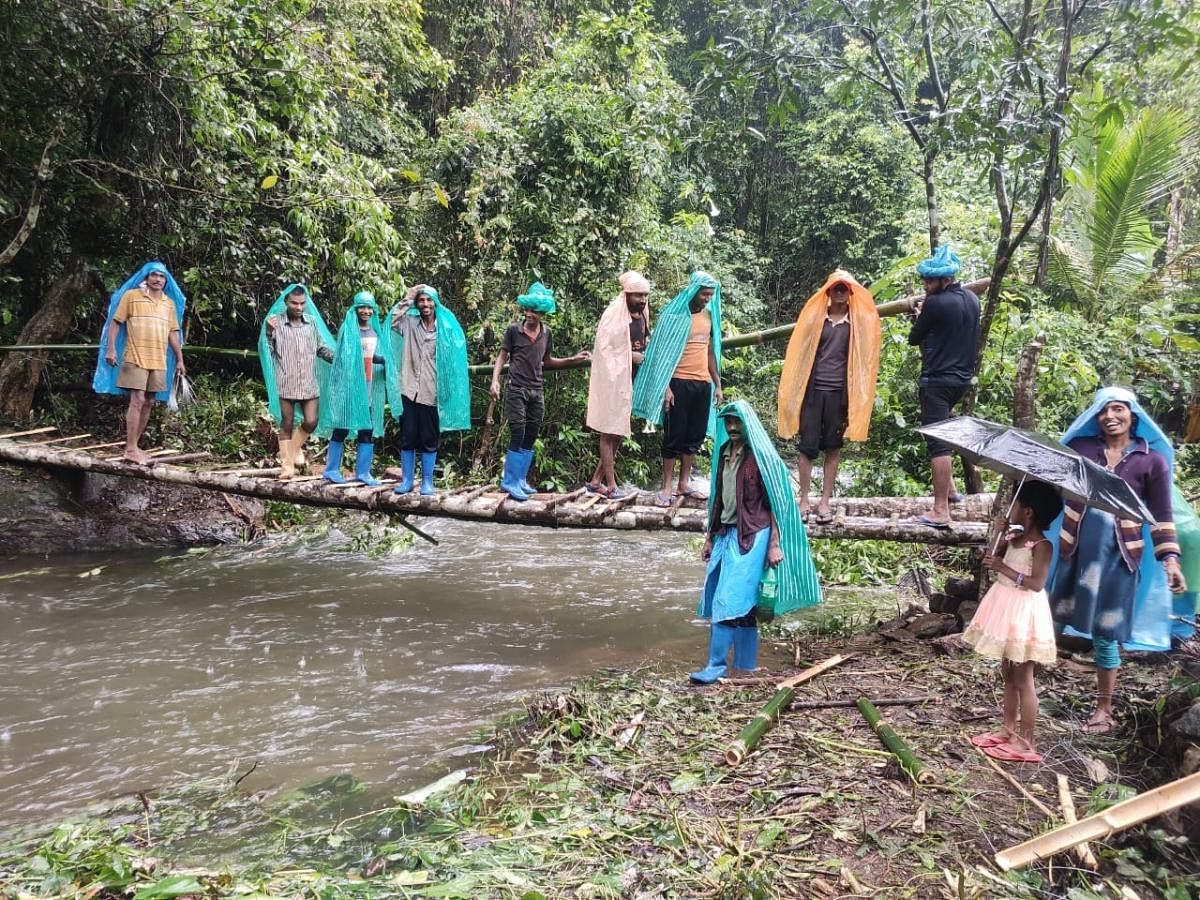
(1026, 454)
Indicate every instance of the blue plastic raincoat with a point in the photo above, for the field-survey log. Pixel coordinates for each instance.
(453, 385)
(320, 366)
(104, 381)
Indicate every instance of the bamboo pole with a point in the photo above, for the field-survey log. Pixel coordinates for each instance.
(17, 434)
(904, 755)
(1104, 823)
(1067, 802)
(766, 717)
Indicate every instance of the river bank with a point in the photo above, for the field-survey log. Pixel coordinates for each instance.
(569, 802)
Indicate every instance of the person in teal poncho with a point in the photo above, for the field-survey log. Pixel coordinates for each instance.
(753, 524)
(431, 353)
(528, 345)
(680, 379)
(295, 349)
(363, 381)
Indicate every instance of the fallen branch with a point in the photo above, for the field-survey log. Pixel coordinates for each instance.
(1099, 826)
(904, 755)
(1021, 789)
(767, 716)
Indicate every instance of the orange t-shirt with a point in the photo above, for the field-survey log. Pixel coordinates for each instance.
(693, 365)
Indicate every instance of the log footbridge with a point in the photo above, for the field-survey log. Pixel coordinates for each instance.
(878, 518)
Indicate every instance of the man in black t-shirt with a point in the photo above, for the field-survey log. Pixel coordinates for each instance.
(947, 331)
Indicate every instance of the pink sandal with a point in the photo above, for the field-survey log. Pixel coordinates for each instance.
(1008, 753)
(989, 739)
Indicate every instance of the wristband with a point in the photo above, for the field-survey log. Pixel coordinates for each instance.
(1020, 579)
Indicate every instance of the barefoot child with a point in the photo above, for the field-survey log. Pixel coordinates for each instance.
(1013, 623)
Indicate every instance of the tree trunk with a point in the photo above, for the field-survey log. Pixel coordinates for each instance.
(21, 372)
(931, 203)
(547, 510)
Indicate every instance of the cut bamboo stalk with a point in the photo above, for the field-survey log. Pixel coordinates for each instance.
(61, 440)
(98, 446)
(1104, 823)
(589, 503)
(564, 498)
(1021, 789)
(904, 756)
(17, 434)
(785, 692)
(1067, 802)
(181, 457)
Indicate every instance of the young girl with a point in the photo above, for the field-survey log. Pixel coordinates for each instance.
(1013, 623)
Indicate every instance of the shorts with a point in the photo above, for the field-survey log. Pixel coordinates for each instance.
(685, 424)
(823, 421)
(937, 405)
(135, 378)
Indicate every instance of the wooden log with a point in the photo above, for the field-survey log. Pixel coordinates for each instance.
(904, 756)
(785, 692)
(1096, 827)
(974, 507)
(564, 498)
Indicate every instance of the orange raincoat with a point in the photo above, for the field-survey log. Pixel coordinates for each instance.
(862, 366)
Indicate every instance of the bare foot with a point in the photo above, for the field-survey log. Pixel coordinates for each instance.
(137, 456)
(1100, 722)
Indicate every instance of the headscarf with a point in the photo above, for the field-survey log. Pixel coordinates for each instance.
(320, 367)
(666, 348)
(1152, 603)
(538, 298)
(943, 264)
(862, 365)
(346, 404)
(104, 381)
(450, 357)
(610, 384)
(799, 585)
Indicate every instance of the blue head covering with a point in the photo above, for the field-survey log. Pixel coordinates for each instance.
(1151, 628)
(104, 381)
(943, 264)
(538, 298)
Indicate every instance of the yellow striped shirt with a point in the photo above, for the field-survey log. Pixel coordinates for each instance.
(148, 324)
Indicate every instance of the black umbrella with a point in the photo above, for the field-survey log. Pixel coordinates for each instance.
(1024, 454)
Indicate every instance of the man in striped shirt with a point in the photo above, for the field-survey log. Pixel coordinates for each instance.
(151, 323)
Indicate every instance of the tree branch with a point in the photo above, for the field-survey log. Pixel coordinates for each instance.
(1003, 21)
(931, 60)
(35, 205)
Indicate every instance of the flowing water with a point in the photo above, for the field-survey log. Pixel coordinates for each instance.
(123, 672)
(310, 659)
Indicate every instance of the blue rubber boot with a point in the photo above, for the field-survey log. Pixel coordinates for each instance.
(408, 463)
(362, 464)
(333, 462)
(427, 462)
(745, 648)
(526, 462)
(511, 482)
(718, 650)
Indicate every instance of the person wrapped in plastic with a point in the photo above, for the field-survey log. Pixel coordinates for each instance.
(1106, 586)
(528, 344)
(144, 316)
(1186, 605)
(295, 350)
(753, 525)
(827, 389)
(363, 380)
(430, 350)
(621, 338)
(680, 379)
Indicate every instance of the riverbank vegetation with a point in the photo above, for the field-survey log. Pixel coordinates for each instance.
(617, 787)
(477, 146)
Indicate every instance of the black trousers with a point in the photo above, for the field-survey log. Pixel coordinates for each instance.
(419, 427)
(365, 436)
(685, 425)
(823, 421)
(526, 407)
(937, 404)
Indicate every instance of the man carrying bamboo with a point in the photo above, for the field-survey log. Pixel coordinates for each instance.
(143, 321)
(753, 525)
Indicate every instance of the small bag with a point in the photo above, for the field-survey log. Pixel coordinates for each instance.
(768, 591)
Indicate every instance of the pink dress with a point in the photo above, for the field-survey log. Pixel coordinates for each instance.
(1012, 622)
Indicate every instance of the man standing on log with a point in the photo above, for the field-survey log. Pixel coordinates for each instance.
(947, 331)
(620, 341)
(295, 350)
(143, 320)
(431, 350)
(827, 389)
(753, 524)
(680, 379)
